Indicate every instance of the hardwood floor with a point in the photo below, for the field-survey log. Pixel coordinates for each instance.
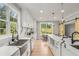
(41, 49)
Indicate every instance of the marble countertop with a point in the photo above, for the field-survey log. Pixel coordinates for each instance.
(8, 50)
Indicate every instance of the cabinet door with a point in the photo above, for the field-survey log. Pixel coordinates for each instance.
(67, 52)
(25, 53)
(17, 53)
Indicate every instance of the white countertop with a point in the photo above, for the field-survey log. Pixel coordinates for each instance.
(8, 50)
(27, 37)
(57, 38)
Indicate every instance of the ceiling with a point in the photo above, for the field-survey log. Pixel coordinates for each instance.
(48, 9)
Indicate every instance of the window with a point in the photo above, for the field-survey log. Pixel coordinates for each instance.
(43, 28)
(49, 28)
(46, 29)
(2, 19)
(13, 22)
(8, 20)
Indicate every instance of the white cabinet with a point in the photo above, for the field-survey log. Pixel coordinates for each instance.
(54, 46)
(68, 51)
(25, 53)
(27, 49)
(54, 43)
(17, 53)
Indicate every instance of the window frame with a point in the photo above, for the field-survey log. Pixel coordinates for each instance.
(3, 28)
(13, 21)
(4, 20)
(46, 32)
(8, 27)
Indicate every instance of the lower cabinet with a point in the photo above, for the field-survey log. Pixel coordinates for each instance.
(27, 51)
(67, 52)
(17, 53)
(57, 50)
(54, 46)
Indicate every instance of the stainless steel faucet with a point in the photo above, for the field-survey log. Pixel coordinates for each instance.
(61, 44)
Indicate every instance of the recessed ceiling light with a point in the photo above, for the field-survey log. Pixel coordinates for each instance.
(41, 17)
(62, 11)
(62, 20)
(55, 17)
(41, 11)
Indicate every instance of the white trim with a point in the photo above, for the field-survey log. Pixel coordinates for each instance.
(2, 20)
(2, 28)
(72, 15)
(5, 36)
(17, 10)
(11, 6)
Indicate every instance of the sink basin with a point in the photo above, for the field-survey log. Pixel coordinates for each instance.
(75, 46)
(18, 43)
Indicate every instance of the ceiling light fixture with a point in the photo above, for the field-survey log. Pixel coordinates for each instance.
(53, 15)
(41, 11)
(62, 11)
(41, 17)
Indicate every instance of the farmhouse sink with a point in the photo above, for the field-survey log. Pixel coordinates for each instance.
(21, 44)
(18, 43)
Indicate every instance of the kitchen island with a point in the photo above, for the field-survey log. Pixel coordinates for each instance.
(54, 43)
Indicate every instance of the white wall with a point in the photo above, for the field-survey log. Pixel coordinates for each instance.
(56, 28)
(28, 20)
(72, 16)
(35, 31)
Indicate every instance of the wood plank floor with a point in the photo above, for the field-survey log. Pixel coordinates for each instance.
(41, 49)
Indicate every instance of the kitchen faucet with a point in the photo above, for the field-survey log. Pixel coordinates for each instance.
(13, 37)
(61, 44)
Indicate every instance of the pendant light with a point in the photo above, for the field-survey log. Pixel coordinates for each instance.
(53, 13)
(62, 29)
(62, 12)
